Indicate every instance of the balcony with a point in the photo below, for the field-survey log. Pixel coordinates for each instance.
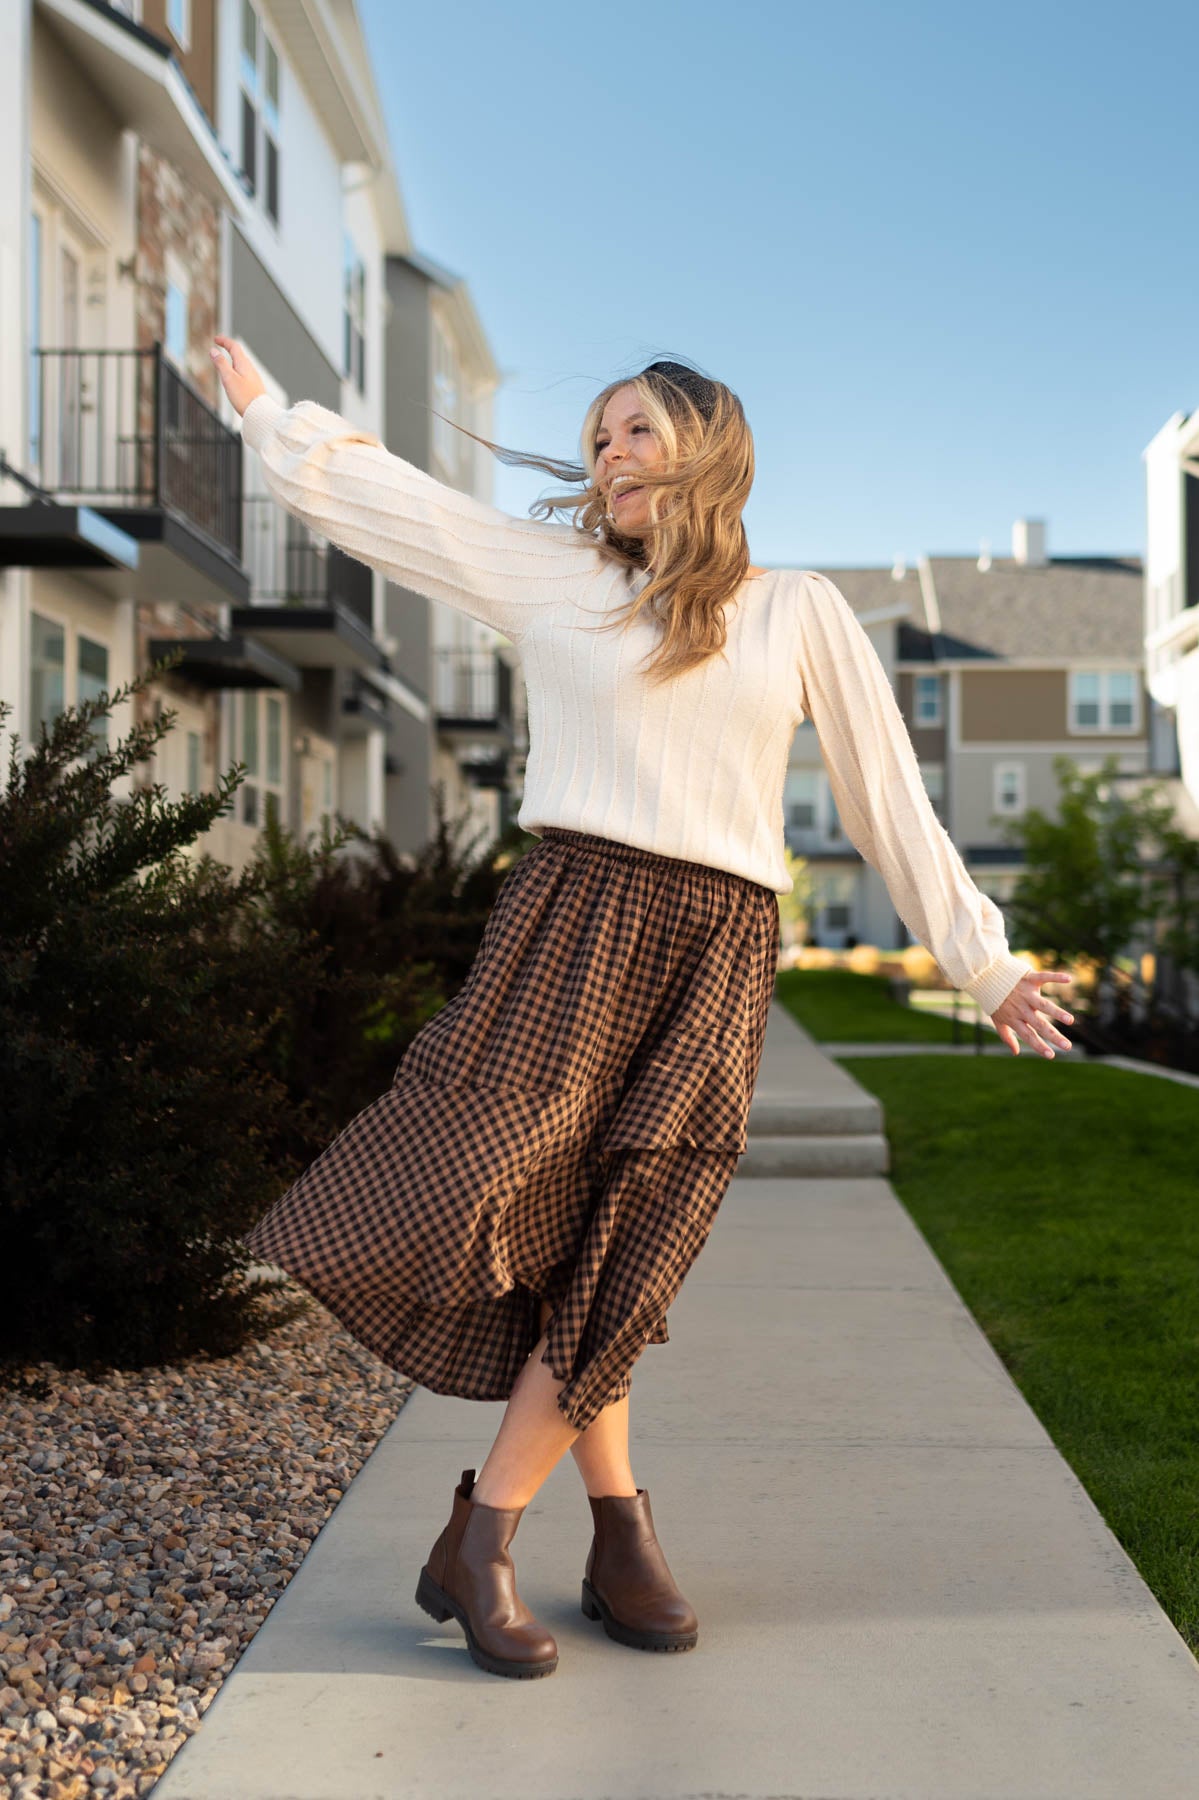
(472, 698)
(487, 772)
(138, 78)
(362, 709)
(124, 432)
(313, 600)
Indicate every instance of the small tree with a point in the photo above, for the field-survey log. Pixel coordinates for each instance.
(1111, 873)
(136, 996)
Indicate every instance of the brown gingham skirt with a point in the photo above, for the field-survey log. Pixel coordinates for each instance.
(564, 1128)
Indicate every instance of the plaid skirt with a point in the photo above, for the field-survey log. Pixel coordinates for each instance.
(564, 1129)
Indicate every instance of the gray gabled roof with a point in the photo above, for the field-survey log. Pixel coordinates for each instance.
(869, 590)
(1072, 606)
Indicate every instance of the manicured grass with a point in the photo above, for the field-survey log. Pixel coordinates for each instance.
(838, 1006)
(1061, 1199)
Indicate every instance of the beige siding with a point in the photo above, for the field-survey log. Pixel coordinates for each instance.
(1013, 705)
(198, 61)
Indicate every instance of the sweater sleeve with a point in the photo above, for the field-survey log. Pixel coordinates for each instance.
(884, 805)
(344, 484)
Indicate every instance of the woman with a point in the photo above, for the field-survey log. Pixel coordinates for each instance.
(514, 1217)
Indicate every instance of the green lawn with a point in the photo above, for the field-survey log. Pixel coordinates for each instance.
(1061, 1199)
(838, 1006)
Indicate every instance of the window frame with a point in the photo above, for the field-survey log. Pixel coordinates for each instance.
(1002, 767)
(261, 152)
(73, 635)
(353, 303)
(1104, 681)
(928, 724)
(259, 785)
(447, 390)
(182, 33)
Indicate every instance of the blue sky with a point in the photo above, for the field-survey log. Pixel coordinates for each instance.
(947, 256)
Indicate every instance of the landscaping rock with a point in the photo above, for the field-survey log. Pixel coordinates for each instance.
(151, 1520)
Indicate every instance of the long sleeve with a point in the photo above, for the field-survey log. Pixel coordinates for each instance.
(883, 803)
(345, 484)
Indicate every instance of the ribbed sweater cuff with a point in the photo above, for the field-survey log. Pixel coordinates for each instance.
(996, 982)
(260, 419)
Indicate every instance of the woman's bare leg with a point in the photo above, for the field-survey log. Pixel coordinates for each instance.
(534, 1435)
(602, 1452)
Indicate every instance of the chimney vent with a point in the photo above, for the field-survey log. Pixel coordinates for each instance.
(1028, 542)
(984, 556)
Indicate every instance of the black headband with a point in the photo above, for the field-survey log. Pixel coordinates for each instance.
(696, 387)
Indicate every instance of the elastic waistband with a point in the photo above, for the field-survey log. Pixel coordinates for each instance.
(654, 859)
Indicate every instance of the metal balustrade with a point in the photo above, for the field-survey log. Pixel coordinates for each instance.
(123, 428)
(473, 689)
(292, 566)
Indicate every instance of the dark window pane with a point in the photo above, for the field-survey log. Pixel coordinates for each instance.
(272, 179)
(249, 143)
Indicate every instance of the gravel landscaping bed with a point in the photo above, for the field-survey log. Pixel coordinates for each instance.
(148, 1523)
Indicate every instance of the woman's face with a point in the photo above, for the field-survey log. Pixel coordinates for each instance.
(625, 442)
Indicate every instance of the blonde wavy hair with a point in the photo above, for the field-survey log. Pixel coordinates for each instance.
(694, 544)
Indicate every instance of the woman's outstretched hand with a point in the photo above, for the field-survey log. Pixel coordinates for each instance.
(1025, 1013)
(239, 378)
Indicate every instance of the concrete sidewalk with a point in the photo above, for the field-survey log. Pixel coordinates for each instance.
(902, 1588)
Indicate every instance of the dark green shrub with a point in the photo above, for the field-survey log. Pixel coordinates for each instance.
(139, 1114)
(395, 939)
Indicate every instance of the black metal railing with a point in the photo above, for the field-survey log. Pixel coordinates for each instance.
(472, 687)
(292, 566)
(123, 428)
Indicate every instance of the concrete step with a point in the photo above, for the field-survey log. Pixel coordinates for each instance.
(856, 1154)
(841, 1115)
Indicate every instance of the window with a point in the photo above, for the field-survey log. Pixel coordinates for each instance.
(262, 752)
(47, 672)
(35, 341)
(800, 794)
(193, 763)
(446, 442)
(92, 665)
(250, 813)
(834, 830)
(1104, 700)
(260, 85)
(274, 741)
(1008, 789)
(179, 22)
(354, 305)
(928, 700)
(1121, 699)
(270, 131)
(249, 95)
(175, 327)
(933, 775)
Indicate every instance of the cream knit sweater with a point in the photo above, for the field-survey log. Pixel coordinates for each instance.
(694, 768)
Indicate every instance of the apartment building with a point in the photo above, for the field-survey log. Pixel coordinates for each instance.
(182, 167)
(999, 664)
(440, 372)
(1171, 599)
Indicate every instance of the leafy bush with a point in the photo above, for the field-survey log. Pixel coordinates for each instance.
(139, 1113)
(395, 939)
(177, 1043)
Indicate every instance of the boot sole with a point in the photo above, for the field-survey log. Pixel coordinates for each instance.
(439, 1606)
(594, 1608)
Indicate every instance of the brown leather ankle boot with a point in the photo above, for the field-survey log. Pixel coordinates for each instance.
(469, 1576)
(627, 1582)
